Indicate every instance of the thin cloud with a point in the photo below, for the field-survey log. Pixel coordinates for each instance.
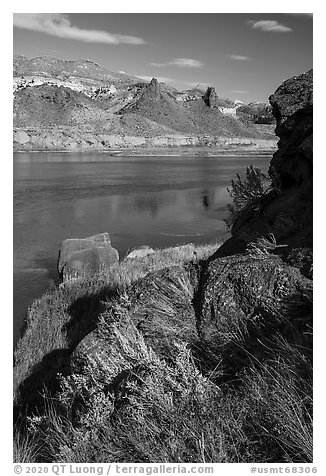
(239, 57)
(239, 92)
(269, 25)
(58, 24)
(180, 62)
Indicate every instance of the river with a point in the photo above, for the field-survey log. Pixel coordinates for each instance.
(155, 201)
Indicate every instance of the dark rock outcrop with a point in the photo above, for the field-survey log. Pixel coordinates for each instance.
(148, 94)
(153, 88)
(81, 257)
(292, 105)
(286, 210)
(210, 97)
(245, 301)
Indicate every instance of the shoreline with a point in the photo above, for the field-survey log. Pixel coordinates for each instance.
(157, 153)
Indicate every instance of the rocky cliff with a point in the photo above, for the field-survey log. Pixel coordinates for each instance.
(286, 208)
(292, 105)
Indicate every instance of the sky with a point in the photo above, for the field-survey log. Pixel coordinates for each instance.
(245, 56)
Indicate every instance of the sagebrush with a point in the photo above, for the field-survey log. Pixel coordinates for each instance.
(246, 192)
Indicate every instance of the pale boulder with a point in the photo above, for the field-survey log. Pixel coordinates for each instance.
(83, 257)
(140, 252)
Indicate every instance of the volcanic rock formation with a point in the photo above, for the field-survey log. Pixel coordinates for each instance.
(210, 97)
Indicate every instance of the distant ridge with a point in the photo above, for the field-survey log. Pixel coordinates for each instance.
(85, 69)
(78, 104)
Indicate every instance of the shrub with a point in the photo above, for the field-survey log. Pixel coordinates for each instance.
(245, 193)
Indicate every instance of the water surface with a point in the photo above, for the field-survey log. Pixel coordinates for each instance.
(155, 201)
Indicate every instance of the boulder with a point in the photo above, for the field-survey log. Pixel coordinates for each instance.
(71, 245)
(159, 313)
(82, 257)
(140, 252)
(104, 350)
(21, 137)
(245, 300)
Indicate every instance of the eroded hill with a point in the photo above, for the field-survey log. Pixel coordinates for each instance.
(77, 105)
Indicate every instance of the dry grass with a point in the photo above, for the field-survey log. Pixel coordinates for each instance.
(25, 449)
(281, 397)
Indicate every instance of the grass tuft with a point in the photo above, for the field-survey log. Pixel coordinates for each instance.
(263, 247)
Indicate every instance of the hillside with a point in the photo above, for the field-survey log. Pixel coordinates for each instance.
(193, 116)
(76, 105)
(44, 106)
(84, 70)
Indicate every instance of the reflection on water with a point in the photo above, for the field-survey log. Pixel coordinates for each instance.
(148, 203)
(160, 201)
(205, 199)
